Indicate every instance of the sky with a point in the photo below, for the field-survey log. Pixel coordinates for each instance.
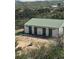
(31, 0)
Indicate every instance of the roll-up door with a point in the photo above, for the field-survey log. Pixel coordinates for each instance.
(44, 31)
(30, 30)
(50, 32)
(35, 30)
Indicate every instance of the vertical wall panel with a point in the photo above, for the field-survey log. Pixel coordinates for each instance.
(39, 31)
(26, 28)
(55, 33)
(32, 30)
(61, 31)
(47, 31)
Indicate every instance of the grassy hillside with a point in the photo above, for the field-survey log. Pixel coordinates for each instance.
(20, 23)
(37, 48)
(37, 4)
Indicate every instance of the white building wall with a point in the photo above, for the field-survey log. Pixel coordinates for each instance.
(39, 31)
(32, 30)
(26, 28)
(47, 31)
(61, 31)
(55, 33)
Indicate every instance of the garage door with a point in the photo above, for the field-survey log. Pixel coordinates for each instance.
(35, 30)
(44, 31)
(30, 30)
(50, 32)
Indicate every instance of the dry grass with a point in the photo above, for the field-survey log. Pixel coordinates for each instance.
(29, 44)
(32, 47)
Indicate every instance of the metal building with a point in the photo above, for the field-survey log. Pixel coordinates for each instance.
(45, 27)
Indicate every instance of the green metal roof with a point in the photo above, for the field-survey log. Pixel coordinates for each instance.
(52, 23)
